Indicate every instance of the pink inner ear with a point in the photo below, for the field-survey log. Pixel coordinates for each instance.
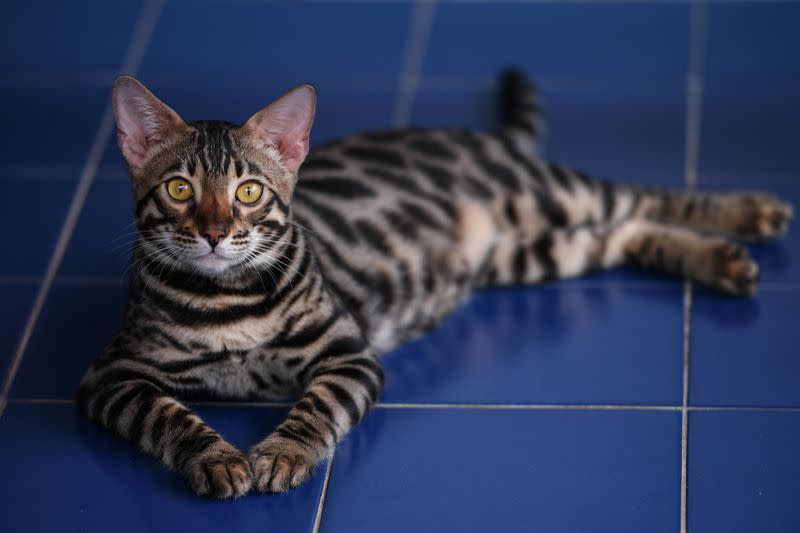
(143, 121)
(285, 125)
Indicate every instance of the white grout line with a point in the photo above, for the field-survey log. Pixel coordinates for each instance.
(600, 2)
(687, 328)
(141, 37)
(694, 101)
(471, 406)
(322, 496)
(575, 284)
(416, 48)
(694, 91)
(527, 407)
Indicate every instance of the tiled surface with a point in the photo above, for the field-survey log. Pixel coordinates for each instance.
(612, 79)
(744, 472)
(549, 345)
(751, 119)
(509, 471)
(745, 352)
(555, 408)
(65, 474)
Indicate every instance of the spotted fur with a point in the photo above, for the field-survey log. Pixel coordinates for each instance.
(382, 236)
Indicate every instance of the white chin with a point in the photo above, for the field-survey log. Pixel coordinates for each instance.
(211, 263)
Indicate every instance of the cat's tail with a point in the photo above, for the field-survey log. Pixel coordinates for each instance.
(523, 121)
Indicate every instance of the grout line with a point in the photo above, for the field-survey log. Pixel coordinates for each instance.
(687, 328)
(574, 284)
(694, 101)
(471, 406)
(527, 407)
(143, 30)
(323, 495)
(41, 401)
(694, 92)
(416, 48)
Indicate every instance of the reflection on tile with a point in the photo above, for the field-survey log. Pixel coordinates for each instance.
(744, 351)
(743, 472)
(465, 470)
(92, 477)
(583, 345)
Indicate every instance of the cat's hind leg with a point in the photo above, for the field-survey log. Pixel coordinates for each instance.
(569, 252)
(748, 216)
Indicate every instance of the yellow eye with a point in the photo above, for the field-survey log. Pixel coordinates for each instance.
(249, 192)
(179, 189)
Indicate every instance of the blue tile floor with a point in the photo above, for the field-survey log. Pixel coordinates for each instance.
(618, 402)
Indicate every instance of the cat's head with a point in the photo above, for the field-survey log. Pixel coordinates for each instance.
(211, 197)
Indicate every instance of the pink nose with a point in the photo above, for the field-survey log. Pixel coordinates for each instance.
(214, 234)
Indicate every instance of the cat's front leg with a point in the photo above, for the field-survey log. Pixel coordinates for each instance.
(343, 382)
(134, 403)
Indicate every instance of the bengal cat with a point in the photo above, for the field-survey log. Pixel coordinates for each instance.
(260, 273)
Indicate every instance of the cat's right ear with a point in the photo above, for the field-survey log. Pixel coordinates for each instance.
(144, 123)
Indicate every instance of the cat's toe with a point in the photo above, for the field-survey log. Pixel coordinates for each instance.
(734, 271)
(221, 474)
(281, 464)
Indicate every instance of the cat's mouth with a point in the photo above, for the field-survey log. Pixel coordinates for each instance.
(212, 262)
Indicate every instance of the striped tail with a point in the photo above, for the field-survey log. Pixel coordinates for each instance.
(523, 122)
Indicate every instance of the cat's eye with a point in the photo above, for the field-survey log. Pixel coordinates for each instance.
(249, 192)
(180, 189)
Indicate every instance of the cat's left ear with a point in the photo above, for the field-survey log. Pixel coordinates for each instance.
(285, 125)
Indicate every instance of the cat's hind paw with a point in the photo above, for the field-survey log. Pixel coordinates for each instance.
(281, 464)
(221, 473)
(761, 216)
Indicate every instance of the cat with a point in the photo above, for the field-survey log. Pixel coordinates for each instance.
(261, 273)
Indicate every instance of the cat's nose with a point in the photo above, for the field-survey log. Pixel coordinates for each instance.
(214, 234)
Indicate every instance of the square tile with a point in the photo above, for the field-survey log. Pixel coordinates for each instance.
(53, 129)
(744, 351)
(77, 322)
(47, 448)
(751, 113)
(40, 45)
(277, 44)
(612, 79)
(743, 472)
(17, 302)
(600, 42)
(104, 237)
(35, 210)
(488, 470)
(599, 344)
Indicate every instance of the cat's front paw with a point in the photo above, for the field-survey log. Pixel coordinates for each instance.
(222, 472)
(280, 464)
(733, 270)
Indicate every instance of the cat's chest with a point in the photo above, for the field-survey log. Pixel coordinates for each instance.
(257, 373)
(243, 335)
